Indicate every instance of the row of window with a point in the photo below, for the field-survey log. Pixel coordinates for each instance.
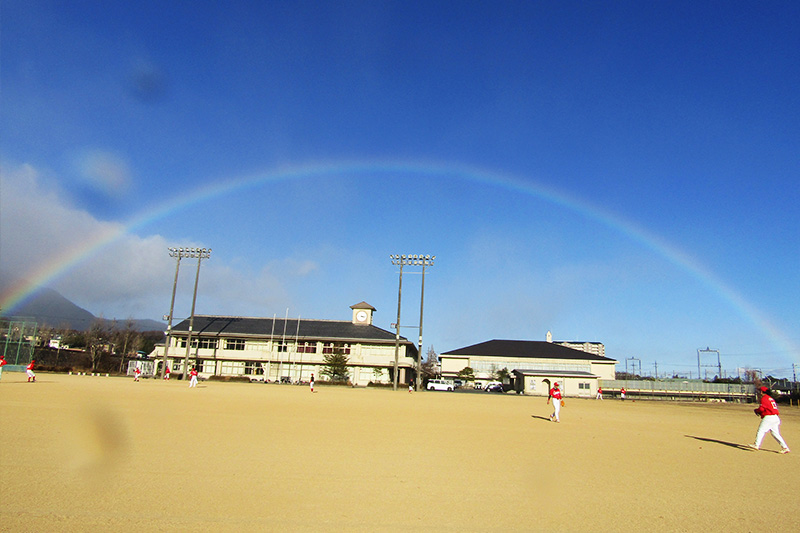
(280, 346)
(198, 343)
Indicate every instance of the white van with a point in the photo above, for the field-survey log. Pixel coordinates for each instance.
(441, 384)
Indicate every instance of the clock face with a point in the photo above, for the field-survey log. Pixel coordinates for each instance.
(361, 316)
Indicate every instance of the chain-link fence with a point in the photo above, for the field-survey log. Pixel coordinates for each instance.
(679, 389)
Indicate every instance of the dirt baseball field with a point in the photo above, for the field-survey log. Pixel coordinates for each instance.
(82, 453)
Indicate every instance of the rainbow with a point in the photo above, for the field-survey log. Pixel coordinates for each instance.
(59, 265)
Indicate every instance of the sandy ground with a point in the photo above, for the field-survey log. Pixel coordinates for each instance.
(82, 453)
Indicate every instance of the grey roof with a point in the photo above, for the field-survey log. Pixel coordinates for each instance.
(555, 373)
(304, 329)
(530, 349)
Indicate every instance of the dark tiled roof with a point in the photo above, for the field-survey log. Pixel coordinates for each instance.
(340, 330)
(531, 349)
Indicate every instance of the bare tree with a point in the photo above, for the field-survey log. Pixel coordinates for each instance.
(97, 341)
(127, 340)
(430, 368)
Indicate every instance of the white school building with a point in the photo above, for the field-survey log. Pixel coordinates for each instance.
(280, 349)
(534, 365)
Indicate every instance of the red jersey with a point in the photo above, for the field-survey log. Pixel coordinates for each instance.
(193, 373)
(555, 393)
(767, 407)
(30, 366)
(3, 362)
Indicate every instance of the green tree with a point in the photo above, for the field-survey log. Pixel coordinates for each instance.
(335, 367)
(466, 374)
(150, 339)
(74, 339)
(503, 375)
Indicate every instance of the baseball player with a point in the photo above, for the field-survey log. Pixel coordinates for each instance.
(770, 422)
(29, 371)
(193, 375)
(3, 362)
(312, 383)
(599, 393)
(555, 395)
(136, 372)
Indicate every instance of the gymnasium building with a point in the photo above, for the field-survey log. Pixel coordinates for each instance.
(289, 349)
(534, 365)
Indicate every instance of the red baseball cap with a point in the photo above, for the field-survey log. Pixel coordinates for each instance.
(763, 389)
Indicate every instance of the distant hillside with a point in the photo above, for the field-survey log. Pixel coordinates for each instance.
(49, 307)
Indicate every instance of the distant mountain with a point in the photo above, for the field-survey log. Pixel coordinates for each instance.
(49, 307)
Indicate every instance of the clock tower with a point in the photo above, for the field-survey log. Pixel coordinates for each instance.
(362, 314)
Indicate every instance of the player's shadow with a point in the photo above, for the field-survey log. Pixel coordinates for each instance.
(546, 419)
(724, 443)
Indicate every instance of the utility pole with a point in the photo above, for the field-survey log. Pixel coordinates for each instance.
(719, 361)
(633, 360)
(200, 254)
(656, 365)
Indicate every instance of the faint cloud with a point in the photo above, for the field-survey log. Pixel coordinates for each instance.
(105, 172)
(300, 268)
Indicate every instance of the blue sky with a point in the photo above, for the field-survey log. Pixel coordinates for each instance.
(620, 172)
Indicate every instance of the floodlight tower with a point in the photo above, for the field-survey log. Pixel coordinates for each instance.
(399, 260)
(200, 254)
(177, 253)
(412, 260)
(425, 261)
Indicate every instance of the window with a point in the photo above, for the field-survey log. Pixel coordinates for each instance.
(336, 347)
(281, 346)
(252, 368)
(207, 344)
(202, 343)
(234, 344)
(209, 366)
(586, 386)
(232, 368)
(307, 347)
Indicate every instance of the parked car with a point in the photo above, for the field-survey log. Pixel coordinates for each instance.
(494, 386)
(458, 383)
(441, 384)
